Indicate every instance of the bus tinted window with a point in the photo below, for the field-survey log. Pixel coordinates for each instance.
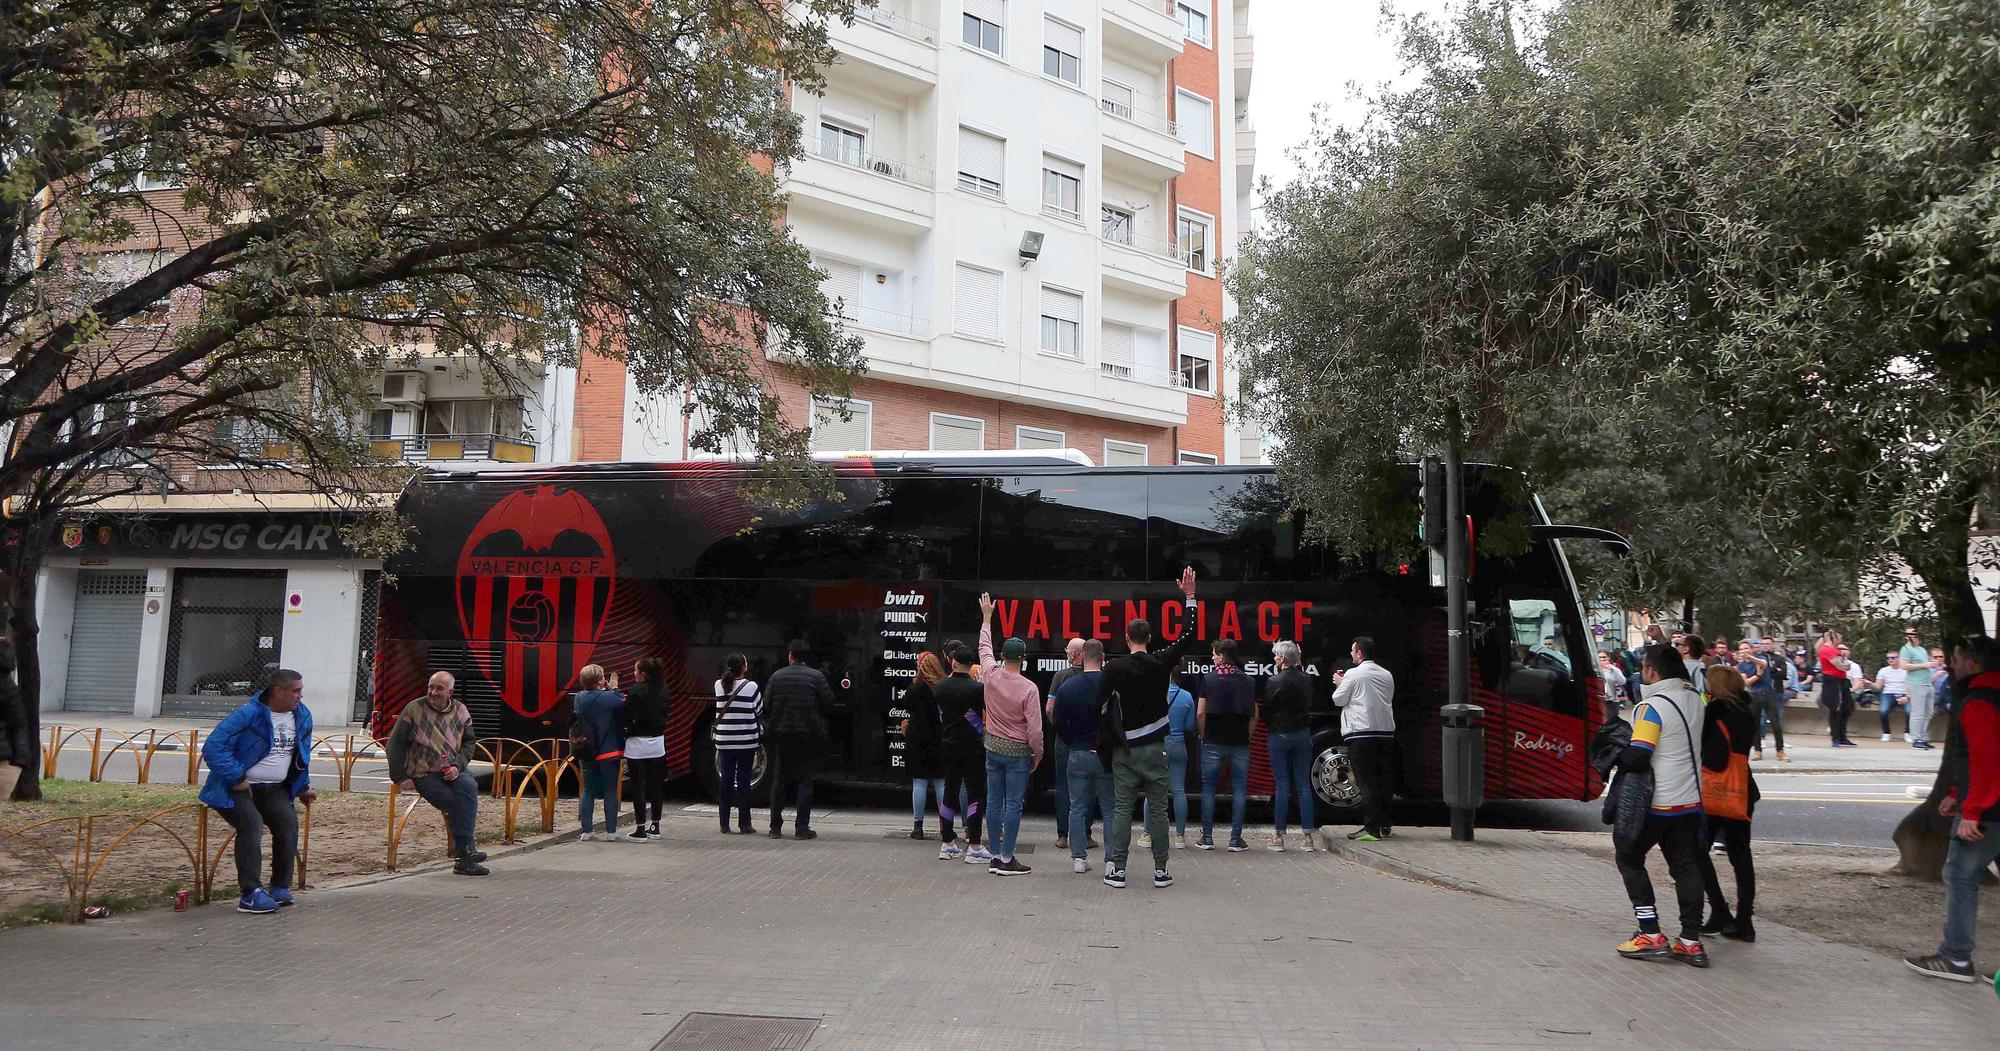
(907, 529)
(1227, 526)
(1069, 527)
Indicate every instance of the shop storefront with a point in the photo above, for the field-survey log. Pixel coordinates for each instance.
(185, 614)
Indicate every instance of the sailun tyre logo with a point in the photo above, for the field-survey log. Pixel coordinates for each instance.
(535, 580)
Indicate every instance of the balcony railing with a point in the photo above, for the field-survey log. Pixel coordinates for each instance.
(880, 320)
(414, 447)
(1129, 112)
(853, 158)
(1121, 233)
(900, 24)
(1156, 375)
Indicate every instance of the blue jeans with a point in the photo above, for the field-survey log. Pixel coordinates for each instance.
(738, 764)
(1088, 782)
(1061, 758)
(1177, 758)
(1006, 792)
(1962, 869)
(921, 790)
(1291, 767)
(600, 781)
(1212, 757)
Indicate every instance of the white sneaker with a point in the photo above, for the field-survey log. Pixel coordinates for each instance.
(1079, 865)
(1145, 841)
(1906, 737)
(1277, 844)
(949, 852)
(978, 856)
(1886, 737)
(1306, 843)
(587, 836)
(1180, 842)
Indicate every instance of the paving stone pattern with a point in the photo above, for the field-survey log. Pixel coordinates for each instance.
(610, 945)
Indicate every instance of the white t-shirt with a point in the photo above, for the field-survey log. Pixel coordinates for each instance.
(645, 747)
(276, 765)
(1893, 680)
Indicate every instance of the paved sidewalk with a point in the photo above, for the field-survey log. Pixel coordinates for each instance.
(608, 945)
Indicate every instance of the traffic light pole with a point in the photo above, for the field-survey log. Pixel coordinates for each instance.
(1458, 663)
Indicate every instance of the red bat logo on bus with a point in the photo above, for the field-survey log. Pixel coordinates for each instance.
(535, 579)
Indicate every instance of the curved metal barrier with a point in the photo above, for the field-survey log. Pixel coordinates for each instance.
(87, 860)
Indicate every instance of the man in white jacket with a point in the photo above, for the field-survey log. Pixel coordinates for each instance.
(1666, 743)
(1365, 697)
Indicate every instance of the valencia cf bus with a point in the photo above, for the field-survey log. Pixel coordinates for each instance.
(520, 575)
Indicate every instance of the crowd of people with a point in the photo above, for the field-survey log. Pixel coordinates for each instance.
(1683, 781)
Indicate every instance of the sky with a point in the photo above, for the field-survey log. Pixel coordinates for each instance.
(1315, 52)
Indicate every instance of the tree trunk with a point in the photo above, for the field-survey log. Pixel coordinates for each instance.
(1687, 613)
(1941, 559)
(25, 630)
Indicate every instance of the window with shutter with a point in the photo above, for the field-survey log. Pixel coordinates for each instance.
(1197, 360)
(842, 287)
(1149, 354)
(1038, 438)
(1062, 322)
(1062, 187)
(1062, 51)
(830, 433)
(981, 25)
(1196, 116)
(957, 433)
(1191, 241)
(1124, 454)
(1117, 99)
(982, 162)
(975, 302)
(1197, 460)
(1117, 355)
(1194, 23)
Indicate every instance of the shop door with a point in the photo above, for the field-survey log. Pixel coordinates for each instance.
(104, 640)
(227, 629)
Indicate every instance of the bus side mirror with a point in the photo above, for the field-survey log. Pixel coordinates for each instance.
(1615, 543)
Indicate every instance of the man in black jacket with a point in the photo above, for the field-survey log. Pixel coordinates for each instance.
(1137, 685)
(795, 704)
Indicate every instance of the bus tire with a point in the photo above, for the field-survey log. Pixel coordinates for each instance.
(708, 768)
(1335, 789)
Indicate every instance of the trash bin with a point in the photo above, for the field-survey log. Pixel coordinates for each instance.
(1464, 765)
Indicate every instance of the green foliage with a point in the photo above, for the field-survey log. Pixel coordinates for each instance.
(1722, 273)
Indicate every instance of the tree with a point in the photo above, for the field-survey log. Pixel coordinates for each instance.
(515, 183)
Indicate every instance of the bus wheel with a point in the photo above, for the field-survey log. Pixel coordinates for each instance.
(1333, 779)
(708, 768)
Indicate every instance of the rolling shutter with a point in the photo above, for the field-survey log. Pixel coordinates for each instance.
(842, 286)
(1037, 438)
(993, 11)
(957, 433)
(1196, 117)
(104, 641)
(833, 434)
(975, 302)
(1118, 350)
(982, 155)
(1062, 36)
(1124, 454)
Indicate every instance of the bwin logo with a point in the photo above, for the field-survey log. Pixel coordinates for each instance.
(891, 598)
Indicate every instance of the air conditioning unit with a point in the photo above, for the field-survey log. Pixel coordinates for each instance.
(403, 388)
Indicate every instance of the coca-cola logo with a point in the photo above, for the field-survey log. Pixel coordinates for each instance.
(1543, 743)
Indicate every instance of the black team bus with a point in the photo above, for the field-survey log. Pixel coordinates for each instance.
(517, 577)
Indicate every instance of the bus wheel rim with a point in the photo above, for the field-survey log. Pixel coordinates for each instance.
(1333, 779)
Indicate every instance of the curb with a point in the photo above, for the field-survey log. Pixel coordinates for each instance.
(518, 849)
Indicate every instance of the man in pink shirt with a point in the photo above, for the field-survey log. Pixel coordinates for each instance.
(1013, 739)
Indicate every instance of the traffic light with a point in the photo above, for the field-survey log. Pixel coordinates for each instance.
(1430, 492)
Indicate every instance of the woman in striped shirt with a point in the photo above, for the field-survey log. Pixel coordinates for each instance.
(739, 710)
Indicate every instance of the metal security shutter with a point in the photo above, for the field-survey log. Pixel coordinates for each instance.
(364, 646)
(975, 302)
(1124, 454)
(982, 155)
(227, 630)
(833, 434)
(842, 286)
(957, 433)
(104, 640)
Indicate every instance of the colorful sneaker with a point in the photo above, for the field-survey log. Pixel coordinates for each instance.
(283, 897)
(1364, 836)
(1162, 878)
(978, 855)
(1939, 967)
(1690, 953)
(257, 903)
(949, 852)
(1277, 844)
(1644, 946)
(1114, 877)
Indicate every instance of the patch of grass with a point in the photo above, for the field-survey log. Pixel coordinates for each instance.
(52, 912)
(74, 798)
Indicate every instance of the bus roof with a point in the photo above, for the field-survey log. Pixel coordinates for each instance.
(1066, 461)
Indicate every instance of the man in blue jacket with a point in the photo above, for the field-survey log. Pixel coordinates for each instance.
(259, 760)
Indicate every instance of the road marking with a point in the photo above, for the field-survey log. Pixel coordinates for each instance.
(1837, 799)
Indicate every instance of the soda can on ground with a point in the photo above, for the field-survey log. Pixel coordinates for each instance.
(180, 901)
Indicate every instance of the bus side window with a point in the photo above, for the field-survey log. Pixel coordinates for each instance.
(1063, 527)
(1228, 527)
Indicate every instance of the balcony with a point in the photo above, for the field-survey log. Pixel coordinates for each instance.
(1150, 266)
(888, 47)
(834, 177)
(887, 337)
(970, 366)
(1246, 58)
(415, 448)
(1246, 150)
(1141, 141)
(1148, 29)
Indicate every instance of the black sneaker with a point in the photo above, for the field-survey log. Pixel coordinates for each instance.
(805, 833)
(1009, 868)
(469, 867)
(917, 830)
(638, 835)
(1114, 877)
(1939, 967)
(1237, 846)
(653, 830)
(777, 833)
(474, 856)
(1162, 878)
